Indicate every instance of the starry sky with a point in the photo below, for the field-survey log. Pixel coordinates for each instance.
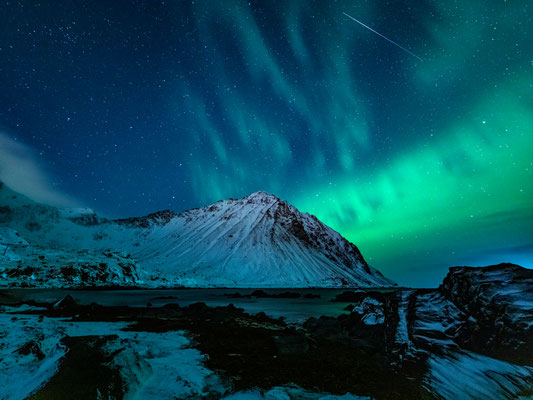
(130, 107)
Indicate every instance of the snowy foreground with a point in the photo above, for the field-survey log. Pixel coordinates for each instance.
(167, 366)
(446, 343)
(151, 365)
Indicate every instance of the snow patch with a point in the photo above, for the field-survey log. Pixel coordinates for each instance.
(371, 311)
(152, 365)
(470, 376)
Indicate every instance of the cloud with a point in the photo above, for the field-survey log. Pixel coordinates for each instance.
(21, 170)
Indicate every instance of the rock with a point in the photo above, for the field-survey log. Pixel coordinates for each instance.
(291, 344)
(371, 311)
(31, 347)
(259, 293)
(352, 296)
(498, 301)
(235, 295)
(65, 302)
(198, 308)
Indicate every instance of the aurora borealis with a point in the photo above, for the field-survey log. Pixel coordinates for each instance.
(133, 107)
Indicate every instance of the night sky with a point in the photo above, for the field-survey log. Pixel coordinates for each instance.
(133, 107)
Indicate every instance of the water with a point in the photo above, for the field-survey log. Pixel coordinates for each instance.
(293, 310)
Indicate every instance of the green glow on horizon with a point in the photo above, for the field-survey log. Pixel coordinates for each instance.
(442, 176)
(446, 195)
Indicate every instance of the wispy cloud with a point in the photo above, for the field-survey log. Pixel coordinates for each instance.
(21, 169)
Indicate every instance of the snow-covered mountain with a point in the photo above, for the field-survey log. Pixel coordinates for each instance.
(256, 241)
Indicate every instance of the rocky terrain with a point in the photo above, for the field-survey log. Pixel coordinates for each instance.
(256, 241)
(25, 265)
(405, 344)
(478, 324)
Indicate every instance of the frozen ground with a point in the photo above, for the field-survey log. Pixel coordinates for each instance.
(22, 374)
(469, 339)
(152, 365)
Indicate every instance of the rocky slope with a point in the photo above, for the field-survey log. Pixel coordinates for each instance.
(474, 334)
(256, 241)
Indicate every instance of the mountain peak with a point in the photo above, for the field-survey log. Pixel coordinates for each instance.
(262, 193)
(262, 197)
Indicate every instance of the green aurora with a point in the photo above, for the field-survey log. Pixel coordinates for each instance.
(466, 197)
(458, 190)
(422, 164)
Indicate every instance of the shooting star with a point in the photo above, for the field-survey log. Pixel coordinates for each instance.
(384, 37)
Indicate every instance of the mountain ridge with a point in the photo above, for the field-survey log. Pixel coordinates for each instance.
(256, 241)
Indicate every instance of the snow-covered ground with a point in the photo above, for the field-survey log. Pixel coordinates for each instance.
(469, 376)
(153, 365)
(21, 375)
(156, 366)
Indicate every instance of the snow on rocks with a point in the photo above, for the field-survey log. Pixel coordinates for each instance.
(175, 370)
(473, 333)
(371, 311)
(36, 266)
(289, 393)
(436, 320)
(31, 370)
(152, 365)
(498, 303)
(65, 302)
(402, 331)
(469, 376)
(10, 237)
(502, 291)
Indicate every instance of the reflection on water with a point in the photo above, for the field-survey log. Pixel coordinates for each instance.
(294, 310)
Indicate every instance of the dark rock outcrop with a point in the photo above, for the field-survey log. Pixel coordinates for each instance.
(498, 301)
(158, 218)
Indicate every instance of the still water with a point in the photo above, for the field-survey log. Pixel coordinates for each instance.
(294, 310)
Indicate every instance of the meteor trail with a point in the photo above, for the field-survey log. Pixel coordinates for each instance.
(384, 37)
